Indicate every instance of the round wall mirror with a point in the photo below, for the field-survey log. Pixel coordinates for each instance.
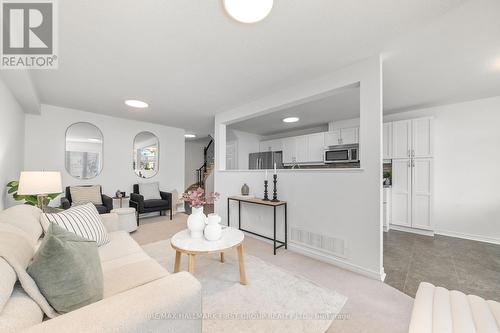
(84, 150)
(146, 155)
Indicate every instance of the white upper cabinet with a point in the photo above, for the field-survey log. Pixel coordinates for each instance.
(421, 138)
(332, 138)
(387, 145)
(401, 139)
(271, 145)
(289, 151)
(315, 150)
(412, 138)
(343, 136)
(349, 136)
(301, 149)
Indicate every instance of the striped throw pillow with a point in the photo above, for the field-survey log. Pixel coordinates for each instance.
(82, 220)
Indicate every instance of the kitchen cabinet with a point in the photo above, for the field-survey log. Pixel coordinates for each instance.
(412, 172)
(387, 141)
(303, 149)
(289, 153)
(421, 137)
(401, 192)
(271, 145)
(343, 136)
(315, 147)
(401, 139)
(301, 153)
(412, 138)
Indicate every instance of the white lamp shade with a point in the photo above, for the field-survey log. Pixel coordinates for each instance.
(39, 182)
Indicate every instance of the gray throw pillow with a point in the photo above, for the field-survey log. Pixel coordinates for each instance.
(150, 190)
(67, 270)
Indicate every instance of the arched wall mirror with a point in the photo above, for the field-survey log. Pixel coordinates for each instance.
(146, 155)
(84, 150)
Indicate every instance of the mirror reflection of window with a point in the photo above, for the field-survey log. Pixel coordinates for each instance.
(84, 150)
(146, 155)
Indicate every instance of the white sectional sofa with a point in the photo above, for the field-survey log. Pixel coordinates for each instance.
(439, 310)
(139, 295)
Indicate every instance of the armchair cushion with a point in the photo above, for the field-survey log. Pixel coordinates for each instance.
(153, 203)
(81, 195)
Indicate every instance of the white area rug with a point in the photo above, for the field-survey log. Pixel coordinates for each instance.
(273, 300)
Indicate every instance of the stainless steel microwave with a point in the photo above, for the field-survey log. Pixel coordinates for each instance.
(342, 154)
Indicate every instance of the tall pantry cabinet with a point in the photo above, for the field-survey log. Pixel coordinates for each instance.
(412, 173)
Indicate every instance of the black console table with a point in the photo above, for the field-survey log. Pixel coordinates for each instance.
(257, 201)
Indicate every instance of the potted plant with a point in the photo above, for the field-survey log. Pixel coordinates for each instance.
(387, 177)
(197, 199)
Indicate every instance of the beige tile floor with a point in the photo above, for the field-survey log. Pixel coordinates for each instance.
(372, 306)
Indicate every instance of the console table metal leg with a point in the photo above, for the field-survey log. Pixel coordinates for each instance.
(239, 214)
(274, 233)
(286, 227)
(228, 215)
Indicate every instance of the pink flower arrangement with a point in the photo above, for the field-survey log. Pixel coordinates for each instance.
(198, 198)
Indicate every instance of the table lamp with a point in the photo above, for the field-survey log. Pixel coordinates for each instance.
(39, 183)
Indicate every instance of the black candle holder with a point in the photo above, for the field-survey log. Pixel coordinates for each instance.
(275, 191)
(266, 198)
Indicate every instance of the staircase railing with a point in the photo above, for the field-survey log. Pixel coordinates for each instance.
(207, 158)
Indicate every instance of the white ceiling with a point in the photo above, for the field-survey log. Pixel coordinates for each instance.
(189, 60)
(342, 104)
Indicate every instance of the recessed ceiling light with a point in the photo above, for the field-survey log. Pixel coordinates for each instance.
(190, 136)
(135, 103)
(291, 120)
(248, 11)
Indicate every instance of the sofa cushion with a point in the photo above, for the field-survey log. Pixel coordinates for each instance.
(82, 220)
(81, 195)
(20, 312)
(26, 220)
(150, 190)
(7, 280)
(153, 203)
(120, 245)
(67, 270)
(130, 271)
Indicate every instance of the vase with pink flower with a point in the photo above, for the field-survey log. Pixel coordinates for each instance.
(197, 220)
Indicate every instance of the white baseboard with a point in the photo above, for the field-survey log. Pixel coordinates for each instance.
(478, 238)
(412, 230)
(308, 252)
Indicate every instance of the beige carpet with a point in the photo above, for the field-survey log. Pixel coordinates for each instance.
(273, 300)
(372, 306)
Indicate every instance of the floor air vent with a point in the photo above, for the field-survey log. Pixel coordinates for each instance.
(335, 246)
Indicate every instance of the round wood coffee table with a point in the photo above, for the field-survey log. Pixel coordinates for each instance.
(183, 243)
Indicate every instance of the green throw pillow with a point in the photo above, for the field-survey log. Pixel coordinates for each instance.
(67, 270)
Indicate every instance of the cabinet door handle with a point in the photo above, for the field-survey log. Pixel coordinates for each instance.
(413, 153)
(408, 164)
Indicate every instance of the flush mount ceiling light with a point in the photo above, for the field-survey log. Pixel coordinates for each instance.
(291, 120)
(135, 103)
(189, 136)
(248, 11)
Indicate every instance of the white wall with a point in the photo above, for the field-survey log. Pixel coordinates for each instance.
(11, 142)
(345, 204)
(45, 144)
(247, 143)
(194, 159)
(466, 167)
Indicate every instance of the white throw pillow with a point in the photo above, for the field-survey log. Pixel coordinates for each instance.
(83, 220)
(81, 195)
(150, 190)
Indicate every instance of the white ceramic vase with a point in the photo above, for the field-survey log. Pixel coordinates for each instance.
(213, 230)
(196, 222)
